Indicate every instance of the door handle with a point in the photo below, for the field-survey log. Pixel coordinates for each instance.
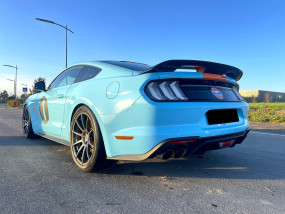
(60, 96)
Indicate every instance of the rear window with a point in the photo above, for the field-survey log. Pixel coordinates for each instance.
(87, 73)
(130, 65)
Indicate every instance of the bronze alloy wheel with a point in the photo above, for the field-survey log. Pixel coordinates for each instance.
(87, 147)
(83, 132)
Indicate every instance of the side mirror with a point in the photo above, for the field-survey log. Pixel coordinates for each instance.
(41, 86)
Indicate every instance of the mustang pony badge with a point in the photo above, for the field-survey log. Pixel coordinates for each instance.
(217, 93)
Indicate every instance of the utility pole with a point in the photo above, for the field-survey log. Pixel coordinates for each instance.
(15, 80)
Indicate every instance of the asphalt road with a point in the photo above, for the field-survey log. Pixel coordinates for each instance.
(38, 176)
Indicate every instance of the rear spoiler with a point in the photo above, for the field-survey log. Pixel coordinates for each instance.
(199, 66)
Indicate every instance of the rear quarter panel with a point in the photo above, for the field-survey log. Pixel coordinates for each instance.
(93, 93)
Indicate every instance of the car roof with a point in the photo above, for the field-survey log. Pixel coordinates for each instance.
(134, 66)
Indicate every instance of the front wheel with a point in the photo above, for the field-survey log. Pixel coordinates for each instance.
(27, 124)
(87, 147)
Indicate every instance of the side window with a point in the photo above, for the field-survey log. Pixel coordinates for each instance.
(59, 81)
(87, 73)
(66, 78)
(72, 73)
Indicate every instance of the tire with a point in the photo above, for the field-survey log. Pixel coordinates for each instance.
(86, 142)
(27, 124)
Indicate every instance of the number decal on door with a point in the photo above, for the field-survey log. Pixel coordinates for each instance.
(44, 110)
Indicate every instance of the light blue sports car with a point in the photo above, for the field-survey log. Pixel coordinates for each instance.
(117, 110)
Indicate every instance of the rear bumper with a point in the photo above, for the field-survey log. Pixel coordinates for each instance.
(151, 123)
(197, 145)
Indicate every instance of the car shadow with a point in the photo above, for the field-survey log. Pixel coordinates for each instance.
(215, 164)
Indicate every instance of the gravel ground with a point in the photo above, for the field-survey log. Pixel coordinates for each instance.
(274, 128)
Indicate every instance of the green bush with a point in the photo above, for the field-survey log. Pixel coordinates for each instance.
(13, 103)
(267, 112)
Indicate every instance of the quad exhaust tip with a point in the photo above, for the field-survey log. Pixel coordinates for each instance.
(180, 153)
(167, 154)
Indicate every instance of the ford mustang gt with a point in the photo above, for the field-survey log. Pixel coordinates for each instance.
(117, 110)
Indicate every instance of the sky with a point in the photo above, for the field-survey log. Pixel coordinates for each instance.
(246, 34)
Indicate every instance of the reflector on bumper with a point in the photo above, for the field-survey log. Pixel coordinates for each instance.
(226, 143)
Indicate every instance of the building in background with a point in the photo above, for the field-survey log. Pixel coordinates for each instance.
(262, 96)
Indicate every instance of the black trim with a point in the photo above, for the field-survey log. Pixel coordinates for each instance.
(207, 82)
(210, 67)
(58, 140)
(202, 144)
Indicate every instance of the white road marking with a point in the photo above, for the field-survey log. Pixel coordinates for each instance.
(267, 133)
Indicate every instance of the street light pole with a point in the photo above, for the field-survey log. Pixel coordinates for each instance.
(66, 29)
(15, 81)
(66, 46)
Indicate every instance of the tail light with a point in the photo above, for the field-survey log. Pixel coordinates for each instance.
(165, 91)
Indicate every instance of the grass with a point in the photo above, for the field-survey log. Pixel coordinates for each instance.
(267, 112)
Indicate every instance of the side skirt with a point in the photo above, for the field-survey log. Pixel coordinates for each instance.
(58, 140)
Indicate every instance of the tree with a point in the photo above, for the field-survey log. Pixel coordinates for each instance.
(34, 91)
(11, 97)
(254, 99)
(23, 97)
(267, 98)
(4, 95)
